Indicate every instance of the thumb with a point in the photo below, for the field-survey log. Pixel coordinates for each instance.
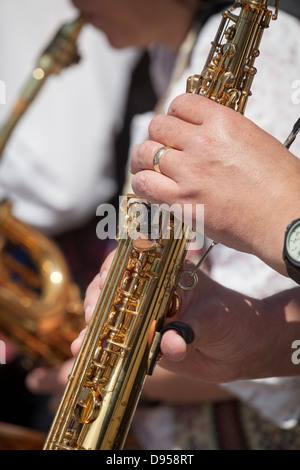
(173, 346)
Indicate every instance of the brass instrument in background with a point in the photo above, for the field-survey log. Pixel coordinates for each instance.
(40, 307)
(14, 437)
(59, 54)
(118, 350)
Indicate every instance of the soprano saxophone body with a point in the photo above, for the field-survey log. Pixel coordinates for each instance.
(107, 378)
(116, 355)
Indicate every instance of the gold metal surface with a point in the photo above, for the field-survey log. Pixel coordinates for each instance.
(40, 308)
(107, 378)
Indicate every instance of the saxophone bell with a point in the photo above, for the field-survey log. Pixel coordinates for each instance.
(40, 308)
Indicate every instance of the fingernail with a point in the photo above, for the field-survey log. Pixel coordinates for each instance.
(102, 279)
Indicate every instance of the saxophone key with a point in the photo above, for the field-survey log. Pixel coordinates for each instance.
(88, 407)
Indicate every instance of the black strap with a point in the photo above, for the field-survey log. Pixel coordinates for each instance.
(141, 98)
(182, 329)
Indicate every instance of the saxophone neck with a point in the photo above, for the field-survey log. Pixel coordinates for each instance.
(62, 50)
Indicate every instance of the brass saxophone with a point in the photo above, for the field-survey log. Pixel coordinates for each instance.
(119, 348)
(60, 53)
(40, 307)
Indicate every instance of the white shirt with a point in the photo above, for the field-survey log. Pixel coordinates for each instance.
(58, 164)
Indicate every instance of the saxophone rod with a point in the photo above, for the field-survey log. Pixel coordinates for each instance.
(291, 138)
(60, 53)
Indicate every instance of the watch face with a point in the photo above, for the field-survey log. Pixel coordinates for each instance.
(293, 243)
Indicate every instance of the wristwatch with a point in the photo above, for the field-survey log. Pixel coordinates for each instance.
(291, 251)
